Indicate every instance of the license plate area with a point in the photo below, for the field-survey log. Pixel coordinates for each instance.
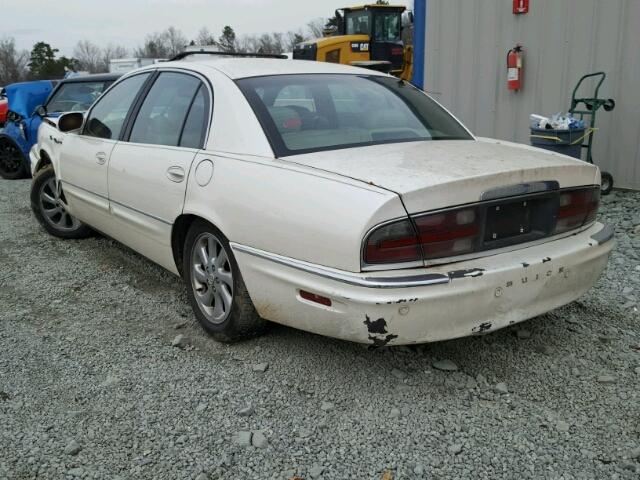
(510, 220)
(518, 221)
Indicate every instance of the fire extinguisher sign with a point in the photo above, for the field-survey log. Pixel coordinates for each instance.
(520, 7)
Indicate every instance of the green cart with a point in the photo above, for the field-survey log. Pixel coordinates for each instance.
(588, 107)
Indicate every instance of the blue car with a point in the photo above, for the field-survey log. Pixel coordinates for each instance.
(21, 126)
(30, 103)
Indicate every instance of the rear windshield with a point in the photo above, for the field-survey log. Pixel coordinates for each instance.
(75, 96)
(309, 113)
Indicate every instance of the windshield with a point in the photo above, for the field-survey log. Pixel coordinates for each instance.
(386, 27)
(309, 113)
(75, 97)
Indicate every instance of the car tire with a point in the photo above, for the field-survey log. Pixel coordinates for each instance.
(12, 165)
(48, 204)
(606, 183)
(215, 287)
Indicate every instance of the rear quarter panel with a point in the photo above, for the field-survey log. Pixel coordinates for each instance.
(265, 204)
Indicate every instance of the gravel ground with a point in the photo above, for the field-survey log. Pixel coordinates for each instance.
(92, 386)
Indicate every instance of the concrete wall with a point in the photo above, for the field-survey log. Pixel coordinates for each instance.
(465, 68)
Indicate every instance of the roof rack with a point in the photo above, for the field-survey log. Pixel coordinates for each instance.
(182, 55)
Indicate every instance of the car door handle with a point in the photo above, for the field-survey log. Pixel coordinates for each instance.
(175, 174)
(101, 158)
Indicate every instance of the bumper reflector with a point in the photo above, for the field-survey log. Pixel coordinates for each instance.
(315, 298)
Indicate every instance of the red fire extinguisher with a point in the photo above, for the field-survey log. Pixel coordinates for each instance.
(514, 68)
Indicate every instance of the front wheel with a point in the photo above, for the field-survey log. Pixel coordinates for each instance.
(216, 291)
(12, 165)
(49, 206)
(606, 184)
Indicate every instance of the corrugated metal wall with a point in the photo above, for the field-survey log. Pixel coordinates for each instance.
(465, 68)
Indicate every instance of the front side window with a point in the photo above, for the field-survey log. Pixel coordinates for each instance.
(358, 23)
(163, 113)
(340, 111)
(75, 97)
(108, 115)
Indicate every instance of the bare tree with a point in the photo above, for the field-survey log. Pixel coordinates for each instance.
(205, 37)
(162, 44)
(153, 47)
(88, 56)
(265, 43)
(316, 27)
(175, 41)
(110, 52)
(13, 63)
(270, 43)
(247, 43)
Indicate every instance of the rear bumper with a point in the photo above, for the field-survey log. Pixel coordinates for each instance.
(427, 305)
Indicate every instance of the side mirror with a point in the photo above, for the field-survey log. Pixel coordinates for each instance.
(41, 111)
(70, 121)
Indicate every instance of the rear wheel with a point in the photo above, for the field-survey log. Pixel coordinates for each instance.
(12, 164)
(606, 184)
(215, 287)
(49, 206)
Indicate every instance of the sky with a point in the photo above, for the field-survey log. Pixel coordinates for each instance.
(63, 23)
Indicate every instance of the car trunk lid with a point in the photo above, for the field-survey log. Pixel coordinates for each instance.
(437, 174)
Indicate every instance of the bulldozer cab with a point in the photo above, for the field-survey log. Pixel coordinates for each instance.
(382, 24)
(368, 36)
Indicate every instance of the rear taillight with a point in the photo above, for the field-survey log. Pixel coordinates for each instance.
(436, 235)
(577, 208)
(446, 234)
(393, 243)
(483, 226)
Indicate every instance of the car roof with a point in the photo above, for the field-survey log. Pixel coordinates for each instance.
(238, 67)
(98, 77)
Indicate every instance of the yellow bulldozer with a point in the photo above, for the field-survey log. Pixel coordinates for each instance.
(368, 36)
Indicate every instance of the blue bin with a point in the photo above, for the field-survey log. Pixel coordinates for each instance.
(566, 142)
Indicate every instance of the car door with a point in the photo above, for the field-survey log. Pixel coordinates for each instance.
(84, 157)
(148, 171)
(68, 97)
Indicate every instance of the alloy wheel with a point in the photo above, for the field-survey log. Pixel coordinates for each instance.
(212, 277)
(54, 208)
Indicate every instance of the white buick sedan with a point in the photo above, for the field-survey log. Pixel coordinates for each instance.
(328, 198)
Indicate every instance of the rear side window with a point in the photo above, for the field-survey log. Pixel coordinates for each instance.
(309, 113)
(107, 117)
(162, 116)
(195, 126)
(75, 97)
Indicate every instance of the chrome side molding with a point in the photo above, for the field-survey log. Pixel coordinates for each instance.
(346, 277)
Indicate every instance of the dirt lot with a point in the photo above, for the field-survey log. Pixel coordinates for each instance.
(91, 386)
